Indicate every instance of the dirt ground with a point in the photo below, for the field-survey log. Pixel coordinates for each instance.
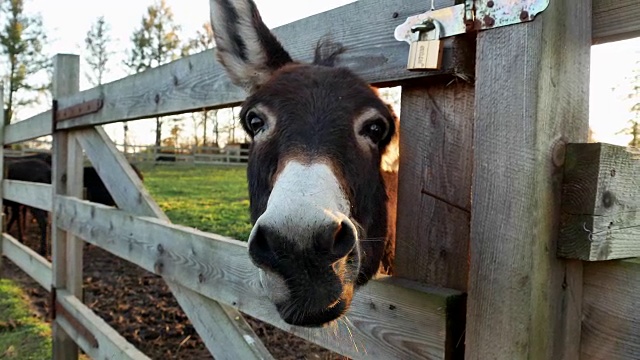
(139, 306)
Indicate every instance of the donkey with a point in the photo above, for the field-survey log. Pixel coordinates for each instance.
(37, 168)
(34, 170)
(322, 208)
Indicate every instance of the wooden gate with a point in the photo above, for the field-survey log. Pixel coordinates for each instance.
(489, 188)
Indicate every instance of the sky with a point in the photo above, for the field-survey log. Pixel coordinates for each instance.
(67, 22)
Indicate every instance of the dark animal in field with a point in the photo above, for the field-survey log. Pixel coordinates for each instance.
(46, 157)
(322, 204)
(166, 157)
(37, 168)
(34, 170)
(96, 191)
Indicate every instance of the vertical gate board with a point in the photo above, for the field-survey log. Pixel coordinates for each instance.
(2, 169)
(222, 329)
(436, 130)
(531, 99)
(611, 326)
(66, 81)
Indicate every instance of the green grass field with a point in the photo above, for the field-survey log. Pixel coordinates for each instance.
(212, 199)
(22, 335)
(209, 198)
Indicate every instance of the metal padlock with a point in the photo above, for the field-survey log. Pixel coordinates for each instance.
(425, 52)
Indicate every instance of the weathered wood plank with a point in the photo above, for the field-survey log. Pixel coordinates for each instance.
(66, 81)
(28, 260)
(36, 195)
(2, 172)
(102, 153)
(198, 81)
(599, 238)
(218, 327)
(615, 20)
(611, 325)
(111, 345)
(600, 179)
(434, 185)
(386, 320)
(600, 203)
(531, 98)
(31, 128)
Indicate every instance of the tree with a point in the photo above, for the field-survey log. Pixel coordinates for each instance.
(97, 41)
(154, 43)
(633, 95)
(203, 40)
(21, 44)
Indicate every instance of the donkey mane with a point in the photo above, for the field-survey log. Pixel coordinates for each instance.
(327, 52)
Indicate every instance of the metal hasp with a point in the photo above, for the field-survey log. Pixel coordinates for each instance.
(87, 107)
(474, 15)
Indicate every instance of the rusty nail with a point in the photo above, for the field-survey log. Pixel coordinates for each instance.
(490, 4)
(488, 21)
(524, 15)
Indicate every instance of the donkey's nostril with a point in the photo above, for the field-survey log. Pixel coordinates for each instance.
(259, 249)
(344, 239)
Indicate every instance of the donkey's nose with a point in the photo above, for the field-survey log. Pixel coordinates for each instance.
(337, 239)
(332, 240)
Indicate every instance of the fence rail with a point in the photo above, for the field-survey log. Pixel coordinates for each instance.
(519, 292)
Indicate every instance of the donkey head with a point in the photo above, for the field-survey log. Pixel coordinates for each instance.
(317, 194)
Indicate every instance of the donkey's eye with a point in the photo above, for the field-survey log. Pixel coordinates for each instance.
(255, 122)
(374, 130)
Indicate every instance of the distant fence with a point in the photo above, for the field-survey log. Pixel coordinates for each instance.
(234, 154)
(197, 155)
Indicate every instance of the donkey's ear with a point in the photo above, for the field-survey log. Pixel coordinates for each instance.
(245, 47)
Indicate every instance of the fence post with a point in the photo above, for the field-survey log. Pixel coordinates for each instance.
(532, 95)
(2, 170)
(66, 180)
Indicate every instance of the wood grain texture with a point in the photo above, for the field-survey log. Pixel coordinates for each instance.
(615, 20)
(28, 260)
(386, 321)
(531, 99)
(120, 179)
(31, 128)
(36, 195)
(2, 172)
(66, 81)
(223, 330)
(611, 325)
(435, 184)
(198, 81)
(111, 345)
(600, 203)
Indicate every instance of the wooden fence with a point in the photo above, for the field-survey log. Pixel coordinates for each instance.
(194, 155)
(489, 188)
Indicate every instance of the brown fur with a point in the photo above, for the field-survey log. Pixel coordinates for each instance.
(315, 107)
